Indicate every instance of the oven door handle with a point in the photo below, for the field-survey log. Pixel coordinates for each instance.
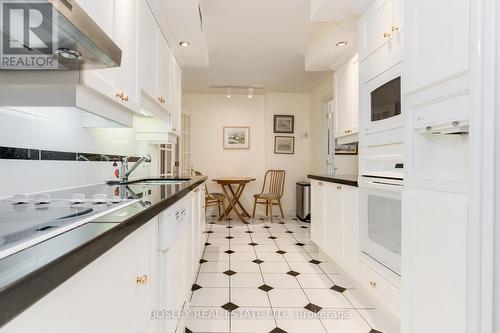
(381, 184)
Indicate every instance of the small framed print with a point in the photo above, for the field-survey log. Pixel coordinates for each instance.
(284, 144)
(283, 123)
(348, 149)
(236, 137)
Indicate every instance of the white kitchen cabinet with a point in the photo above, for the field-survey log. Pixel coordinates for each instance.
(346, 98)
(176, 97)
(334, 223)
(115, 293)
(318, 212)
(165, 59)
(119, 21)
(382, 22)
(148, 50)
(438, 45)
(434, 262)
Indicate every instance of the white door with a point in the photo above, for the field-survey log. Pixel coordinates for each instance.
(148, 50)
(437, 45)
(342, 96)
(164, 72)
(334, 221)
(317, 213)
(434, 262)
(126, 36)
(103, 13)
(167, 160)
(374, 26)
(354, 64)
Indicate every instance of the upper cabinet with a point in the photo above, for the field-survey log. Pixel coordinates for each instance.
(149, 78)
(160, 77)
(119, 21)
(380, 24)
(346, 99)
(438, 47)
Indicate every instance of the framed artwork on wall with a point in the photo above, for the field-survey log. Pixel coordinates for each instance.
(347, 149)
(236, 137)
(283, 123)
(284, 144)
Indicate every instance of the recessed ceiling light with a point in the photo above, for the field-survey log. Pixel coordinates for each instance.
(184, 43)
(341, 43)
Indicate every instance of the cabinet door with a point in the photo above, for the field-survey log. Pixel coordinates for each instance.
(437, 45)
(354, 64)
(374, 23)
(434, 262)
(126, 36)
(102, 297)
(175, 96)
(165, 59)
(351, 230)
(342, 96)
(148, 50)
(103, 13)
(317, 213)
(334, 218)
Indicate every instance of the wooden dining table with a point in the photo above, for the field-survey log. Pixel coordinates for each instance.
(233, 195)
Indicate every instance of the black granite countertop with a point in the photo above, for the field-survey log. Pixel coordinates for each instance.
(351, 180)
(29, 275)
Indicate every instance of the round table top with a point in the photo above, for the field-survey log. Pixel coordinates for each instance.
(233, 180)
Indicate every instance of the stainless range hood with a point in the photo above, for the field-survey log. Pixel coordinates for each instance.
(78, 41)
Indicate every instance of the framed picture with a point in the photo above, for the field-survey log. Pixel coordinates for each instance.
(283, 124)
(236, 137)
(348, 149)
(284, 144)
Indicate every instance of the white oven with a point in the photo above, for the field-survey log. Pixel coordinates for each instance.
(380, 219)
(382, 102)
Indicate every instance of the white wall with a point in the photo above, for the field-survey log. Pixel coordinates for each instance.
(210, 112)
(60, 129)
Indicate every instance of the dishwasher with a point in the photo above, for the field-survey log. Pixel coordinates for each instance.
(174, 256)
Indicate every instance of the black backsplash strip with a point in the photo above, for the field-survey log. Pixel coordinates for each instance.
(12, 153)
(48, 155)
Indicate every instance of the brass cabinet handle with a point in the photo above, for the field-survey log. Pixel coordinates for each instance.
(320, 184)
(142, 280)
(387, 34)
(394, 28)
(161, 99)
(339, 188)
(373, 284)
(119, 94)
(125, 98)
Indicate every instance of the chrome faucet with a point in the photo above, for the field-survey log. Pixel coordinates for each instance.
(125, 172)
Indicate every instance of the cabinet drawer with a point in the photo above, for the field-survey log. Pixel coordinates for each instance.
(378, 285)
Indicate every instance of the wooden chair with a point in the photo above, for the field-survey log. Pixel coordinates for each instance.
(212, 199)
(271, 193)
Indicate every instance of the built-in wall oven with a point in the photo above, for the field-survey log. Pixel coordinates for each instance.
(380, 217)
(382, 101)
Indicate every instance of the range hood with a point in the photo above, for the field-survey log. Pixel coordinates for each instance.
(78, 42)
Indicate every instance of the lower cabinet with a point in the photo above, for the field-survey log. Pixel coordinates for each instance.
(434, 262)
(334, 223)
(115, 293)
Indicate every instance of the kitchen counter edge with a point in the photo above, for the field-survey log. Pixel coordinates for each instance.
(28, 290)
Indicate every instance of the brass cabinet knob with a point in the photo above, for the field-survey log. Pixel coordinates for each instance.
(373, 284)
(394, 28)
(142, 280)
(339, 188)
(161, 99)
(119, 94)
(320, 184)
(125, 98)
(387, 34)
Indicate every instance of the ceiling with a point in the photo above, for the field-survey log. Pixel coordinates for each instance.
(257, 42)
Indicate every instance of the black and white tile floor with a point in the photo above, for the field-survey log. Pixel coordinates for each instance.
(269, 277)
